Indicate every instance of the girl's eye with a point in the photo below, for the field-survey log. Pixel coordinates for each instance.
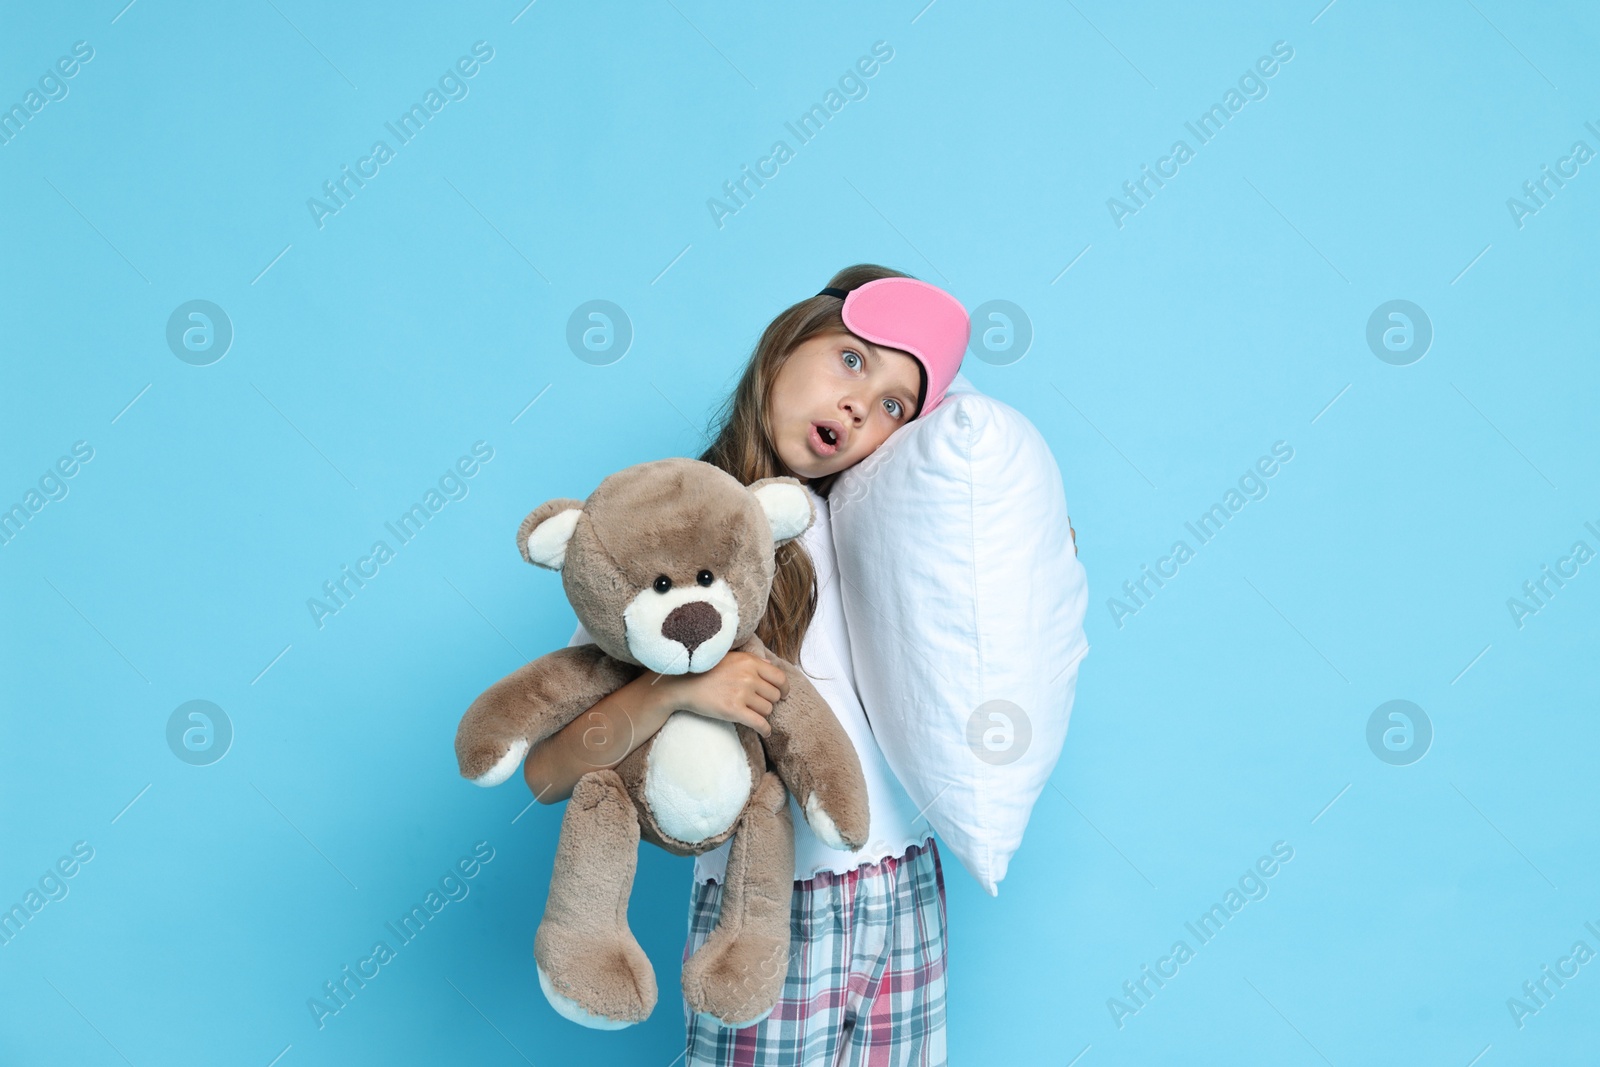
(898, 410)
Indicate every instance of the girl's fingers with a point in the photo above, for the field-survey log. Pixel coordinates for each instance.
(768, 692)
(770, 672)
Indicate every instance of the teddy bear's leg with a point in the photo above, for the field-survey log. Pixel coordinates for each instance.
(737, 975)
(590, 967)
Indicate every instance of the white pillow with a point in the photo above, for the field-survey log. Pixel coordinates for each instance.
(964, 601)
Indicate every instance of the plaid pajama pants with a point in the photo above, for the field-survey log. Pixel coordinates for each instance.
(866, 982)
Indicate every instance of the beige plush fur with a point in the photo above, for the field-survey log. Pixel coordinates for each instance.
(679, 518)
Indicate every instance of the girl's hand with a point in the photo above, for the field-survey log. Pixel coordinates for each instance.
(742, 688)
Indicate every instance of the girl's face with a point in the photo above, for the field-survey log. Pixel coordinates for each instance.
(841, 387)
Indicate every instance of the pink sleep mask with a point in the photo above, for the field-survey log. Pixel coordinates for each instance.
(915, 317)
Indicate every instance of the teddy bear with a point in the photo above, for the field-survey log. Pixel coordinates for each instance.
(669, 565)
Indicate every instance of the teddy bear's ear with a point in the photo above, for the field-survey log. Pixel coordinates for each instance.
(787, 504)
(542, 538)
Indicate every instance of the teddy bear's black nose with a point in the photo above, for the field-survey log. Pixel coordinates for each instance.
(692, 624)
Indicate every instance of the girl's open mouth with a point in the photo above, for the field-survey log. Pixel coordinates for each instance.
(824, 441)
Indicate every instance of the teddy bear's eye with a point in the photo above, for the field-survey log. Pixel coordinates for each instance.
(663, 583)
(704, 578)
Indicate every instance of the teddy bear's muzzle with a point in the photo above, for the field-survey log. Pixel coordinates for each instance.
(685, 630)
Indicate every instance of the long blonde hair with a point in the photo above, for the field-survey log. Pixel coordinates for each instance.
(743, 447)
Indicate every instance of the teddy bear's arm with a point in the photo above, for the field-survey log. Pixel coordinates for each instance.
(816, 759)
(530, 704)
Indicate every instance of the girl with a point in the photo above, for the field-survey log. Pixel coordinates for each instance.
(831, 378)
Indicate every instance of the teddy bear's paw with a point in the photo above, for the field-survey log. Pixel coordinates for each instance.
(570, 1009)
(736, 981)
(503, 767)
(602, 988)
(827, 831)
(823, 826)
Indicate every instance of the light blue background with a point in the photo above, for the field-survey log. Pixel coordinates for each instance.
(1228, 314)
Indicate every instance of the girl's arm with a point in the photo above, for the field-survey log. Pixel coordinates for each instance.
(741, 689)
(600, 737)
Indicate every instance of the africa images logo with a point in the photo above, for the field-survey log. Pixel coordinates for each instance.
(852, 85)
(452, 86)
(1210, 123)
